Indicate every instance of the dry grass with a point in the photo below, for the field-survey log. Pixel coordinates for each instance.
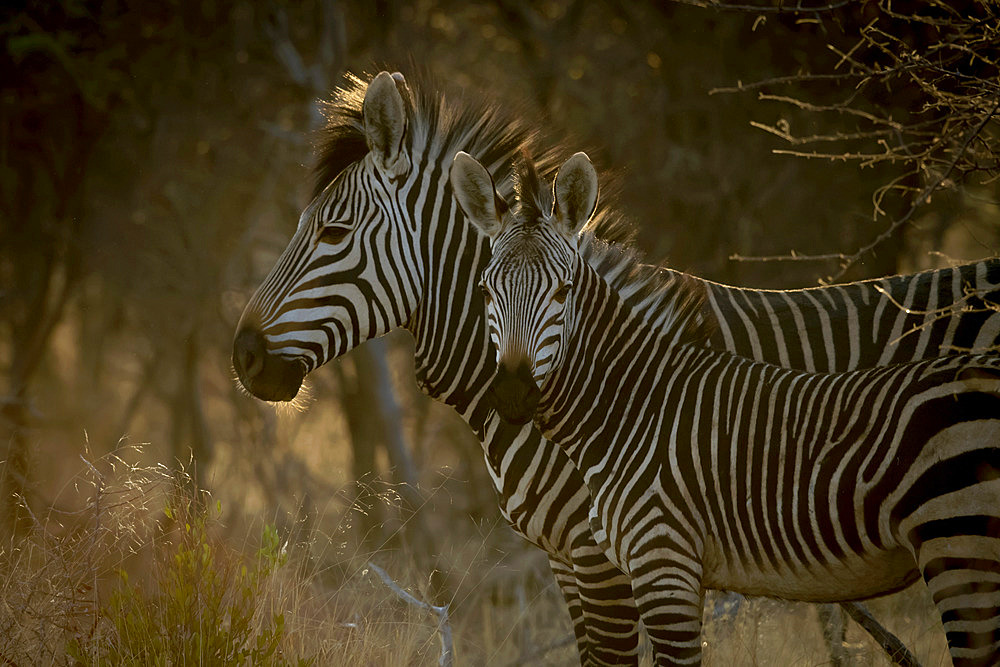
(146, 570)
(769, 632)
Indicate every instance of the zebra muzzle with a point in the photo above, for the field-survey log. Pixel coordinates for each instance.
(267, 376)
(515, 394)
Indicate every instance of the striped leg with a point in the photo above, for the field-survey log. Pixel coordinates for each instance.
(949, 517)
(666, 584)
(566, 580)
(959, 559)
(610, 614)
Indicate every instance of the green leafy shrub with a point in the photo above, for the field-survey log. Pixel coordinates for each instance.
(204, 604)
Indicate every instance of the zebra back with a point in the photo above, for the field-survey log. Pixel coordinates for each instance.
(861, 324)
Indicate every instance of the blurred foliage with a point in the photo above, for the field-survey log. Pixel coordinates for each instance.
(154, 158)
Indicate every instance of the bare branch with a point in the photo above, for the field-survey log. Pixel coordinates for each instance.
(799, 8)
(919, 201)
(741, 87)
(447, 658)
(944, 66)
(894, 648)
(792, 256)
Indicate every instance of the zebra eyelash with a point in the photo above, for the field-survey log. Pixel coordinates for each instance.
(562, 292)
(334, 233)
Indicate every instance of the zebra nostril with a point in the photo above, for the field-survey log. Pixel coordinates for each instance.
(248, 353)
(251, 363)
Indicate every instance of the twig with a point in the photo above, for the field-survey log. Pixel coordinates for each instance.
(939, 314)
(741, 87)
(447, 658)
(798, 8)
(790, 257)
(848, 260)
(969, 292)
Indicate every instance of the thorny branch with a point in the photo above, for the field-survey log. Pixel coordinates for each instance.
(943, 62)
(924, 196)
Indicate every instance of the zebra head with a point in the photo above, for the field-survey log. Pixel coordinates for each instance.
(528, 283)
(328, 291)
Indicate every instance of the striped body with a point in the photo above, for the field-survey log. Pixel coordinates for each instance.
(769, 481)
(383, 246)
(708, 470)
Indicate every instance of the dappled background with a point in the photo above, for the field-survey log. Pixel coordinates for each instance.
(154, 158)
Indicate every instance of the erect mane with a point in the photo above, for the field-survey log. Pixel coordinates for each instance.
(670, 301)
(438, 122)
(492, 133)
(532, 197)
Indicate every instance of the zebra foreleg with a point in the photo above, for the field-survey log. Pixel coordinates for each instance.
(667, 588)
(610, 614)
(566, 579)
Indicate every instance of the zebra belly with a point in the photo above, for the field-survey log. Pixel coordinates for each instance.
(853, 578)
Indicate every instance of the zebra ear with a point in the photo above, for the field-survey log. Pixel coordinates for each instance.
(403, 88)
(575, 194)
(473, 188)
(385, 123)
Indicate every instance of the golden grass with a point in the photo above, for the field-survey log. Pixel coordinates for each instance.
(147, 570)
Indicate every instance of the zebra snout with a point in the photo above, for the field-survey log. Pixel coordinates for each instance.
(515, 394)
(267, 376)
(249, 349)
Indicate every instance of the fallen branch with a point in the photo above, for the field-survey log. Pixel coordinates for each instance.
(447, 658)
(894, 648)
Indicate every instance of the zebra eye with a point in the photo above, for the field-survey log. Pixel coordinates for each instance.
(333, 234)
(561, 293)
(486, 292)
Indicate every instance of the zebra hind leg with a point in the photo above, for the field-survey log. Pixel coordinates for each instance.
(947, 512)
(966, 591)
(955, 539)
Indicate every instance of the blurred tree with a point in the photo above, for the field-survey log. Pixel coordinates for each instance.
(56, 97)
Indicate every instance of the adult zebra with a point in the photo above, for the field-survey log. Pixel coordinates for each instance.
(382, 246)
(709, 470)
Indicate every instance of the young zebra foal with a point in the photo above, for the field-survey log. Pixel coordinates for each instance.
(712, 471)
